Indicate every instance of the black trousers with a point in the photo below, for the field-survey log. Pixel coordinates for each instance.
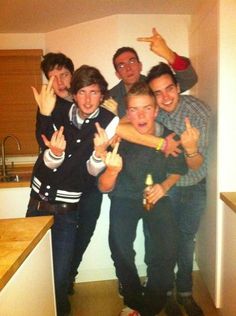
(89, 211)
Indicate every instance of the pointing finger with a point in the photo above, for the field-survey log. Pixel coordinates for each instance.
(154, 31)
(187, 123)
(49, 86)
(115, 149)
(144, 39)
(60, 132)
(98, 127)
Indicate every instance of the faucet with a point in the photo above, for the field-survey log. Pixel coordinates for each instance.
(4, 173)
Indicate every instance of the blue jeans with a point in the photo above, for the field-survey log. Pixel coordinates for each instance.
(124, 216)
(64, 232)
(88, 213)
(188, 206)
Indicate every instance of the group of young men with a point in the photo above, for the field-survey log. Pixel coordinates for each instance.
(163, 133)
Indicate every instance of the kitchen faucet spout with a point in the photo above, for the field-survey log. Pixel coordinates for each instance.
(3, 151)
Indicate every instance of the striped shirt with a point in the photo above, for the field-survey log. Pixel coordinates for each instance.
(199, 114)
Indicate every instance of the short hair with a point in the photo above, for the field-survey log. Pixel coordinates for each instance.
(56, 60)
(87, 75)
(122, 50)
(160, 70)
(138, 89)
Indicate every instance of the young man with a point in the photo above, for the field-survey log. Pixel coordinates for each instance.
(59, 180)
(189, 195)
(128, 68)
(127, 183)
(61, 68)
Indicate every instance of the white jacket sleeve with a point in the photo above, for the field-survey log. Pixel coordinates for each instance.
(52, 161)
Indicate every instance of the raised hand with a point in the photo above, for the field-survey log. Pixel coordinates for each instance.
(57, 144)
(46, 99)
(113, 160)
(190, 137)
(101, 142)
(158, 46)
(172, 147)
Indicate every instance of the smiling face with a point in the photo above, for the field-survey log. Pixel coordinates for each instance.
(128, 68)
(142, 112)
(166, 92)
(88, 99)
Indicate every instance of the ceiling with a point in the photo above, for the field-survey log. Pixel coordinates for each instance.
(42, 16)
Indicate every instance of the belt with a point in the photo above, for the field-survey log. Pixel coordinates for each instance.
(55, 208)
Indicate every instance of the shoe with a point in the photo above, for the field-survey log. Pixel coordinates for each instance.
(129, 312)
(190, 306)
(172, 307)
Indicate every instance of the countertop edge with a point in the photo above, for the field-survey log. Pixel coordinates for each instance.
(25, 253)
(230, 199)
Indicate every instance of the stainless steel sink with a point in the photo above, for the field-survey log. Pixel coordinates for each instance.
(10, 178)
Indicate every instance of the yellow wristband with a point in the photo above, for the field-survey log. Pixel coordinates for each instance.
(160, 144)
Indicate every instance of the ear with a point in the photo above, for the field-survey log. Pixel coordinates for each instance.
(156, 111)
(178, 88)
(141, 66)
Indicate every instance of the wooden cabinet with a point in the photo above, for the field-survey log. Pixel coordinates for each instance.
(19, 70)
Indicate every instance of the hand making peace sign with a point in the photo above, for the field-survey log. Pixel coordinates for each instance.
(46, 99)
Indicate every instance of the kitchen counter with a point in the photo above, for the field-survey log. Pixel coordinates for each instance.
(24, 173)
(230, 199)
(18, 237)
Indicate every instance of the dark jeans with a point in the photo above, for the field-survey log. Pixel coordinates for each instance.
(64, 233)
(188, 205)
(161, 229)
(89, 211)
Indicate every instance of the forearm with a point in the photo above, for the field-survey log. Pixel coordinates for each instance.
(170, 181)
(95, 165)
(107, 180)
(52, 161)
(194, 160)
(127, 131)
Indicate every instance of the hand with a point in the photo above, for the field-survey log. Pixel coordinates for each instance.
(57, 144)
(113, 160)
(172, 147)
(158, 46)
(46, 99)
(190, 137)
(101, 142)
(111, 105)
(155, 193)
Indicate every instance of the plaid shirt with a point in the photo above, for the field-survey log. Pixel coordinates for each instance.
(199, 114)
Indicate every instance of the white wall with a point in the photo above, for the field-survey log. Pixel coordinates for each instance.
(213, 45)
(204, 53)
(95, 42)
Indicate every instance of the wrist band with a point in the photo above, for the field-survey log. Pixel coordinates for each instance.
(165, 145)
(191, 155)
(160, 144)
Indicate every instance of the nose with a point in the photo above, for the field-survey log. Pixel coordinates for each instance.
(87, 97)
(59, 80)
(141, 114)
(165, 95)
